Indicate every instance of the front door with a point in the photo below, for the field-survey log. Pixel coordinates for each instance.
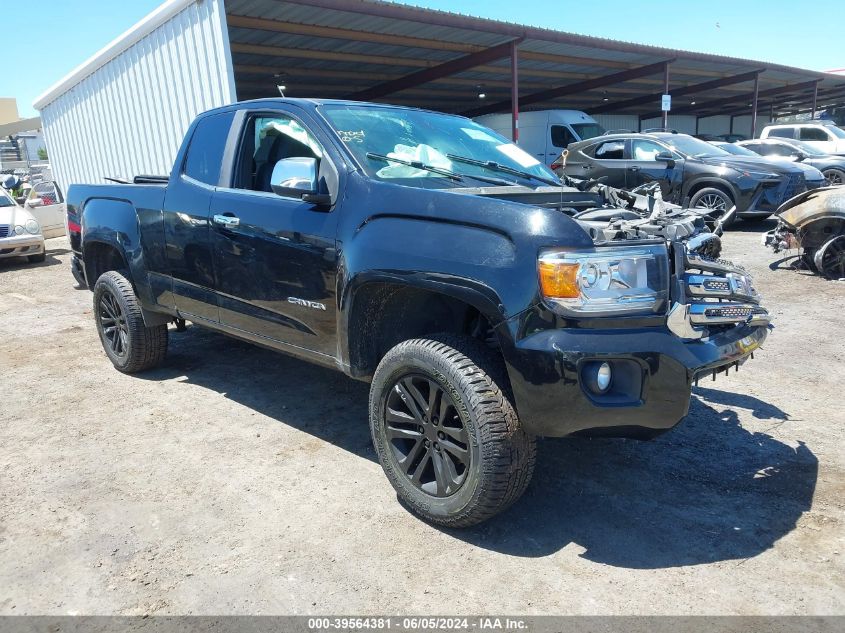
(643, 168)
(274, 257)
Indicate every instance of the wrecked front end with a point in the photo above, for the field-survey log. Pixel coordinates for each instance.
(813, 222)
(706, 318)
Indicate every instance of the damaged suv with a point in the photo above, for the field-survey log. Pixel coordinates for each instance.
(486, 302)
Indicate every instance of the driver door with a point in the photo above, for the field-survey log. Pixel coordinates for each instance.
(643, 168)
(275, 258)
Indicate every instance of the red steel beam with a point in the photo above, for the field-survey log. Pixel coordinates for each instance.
(575, 88)
(678, 92)
(452, 67)
(514, 92)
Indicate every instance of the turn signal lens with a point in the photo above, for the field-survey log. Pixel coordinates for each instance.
(559, 280)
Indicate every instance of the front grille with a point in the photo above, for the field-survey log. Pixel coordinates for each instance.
(5, 230)
(712, 294)
(795, 184)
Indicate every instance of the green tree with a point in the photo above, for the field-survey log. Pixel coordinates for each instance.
(42, 153)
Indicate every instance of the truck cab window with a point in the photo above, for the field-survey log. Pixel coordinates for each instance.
(205, 153)
(267, 140)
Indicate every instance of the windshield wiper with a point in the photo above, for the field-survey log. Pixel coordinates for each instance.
(494, 166)
(437, 170)
(417, 165)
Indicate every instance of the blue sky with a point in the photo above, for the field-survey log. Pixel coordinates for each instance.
(782, 31)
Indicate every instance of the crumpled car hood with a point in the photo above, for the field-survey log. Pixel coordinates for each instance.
(812, 205)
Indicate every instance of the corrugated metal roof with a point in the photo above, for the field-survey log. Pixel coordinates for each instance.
(548, 59)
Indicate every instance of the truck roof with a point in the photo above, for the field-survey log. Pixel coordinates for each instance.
(312, 103)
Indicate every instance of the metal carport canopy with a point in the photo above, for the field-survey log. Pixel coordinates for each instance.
(394, 53)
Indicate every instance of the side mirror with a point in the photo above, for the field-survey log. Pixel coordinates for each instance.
(34, 202)
(799, 156)
(665, 157)
(297, 178)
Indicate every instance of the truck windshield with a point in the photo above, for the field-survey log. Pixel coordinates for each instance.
(588, 130)
(418, 137)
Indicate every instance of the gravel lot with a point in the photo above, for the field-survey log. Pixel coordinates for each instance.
(235, 480)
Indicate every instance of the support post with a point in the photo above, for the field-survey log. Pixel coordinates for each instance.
(754, 106)
(731, 130)
(772, 112)
(666, 92)
(515, 92)
(697, 119)
(815, 99)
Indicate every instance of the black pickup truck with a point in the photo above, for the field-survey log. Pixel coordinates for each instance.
(486, 302)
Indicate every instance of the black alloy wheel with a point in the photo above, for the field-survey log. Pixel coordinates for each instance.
(428, 440)
(446, 432)
(130, 344)
(113, 324)
(830, 258)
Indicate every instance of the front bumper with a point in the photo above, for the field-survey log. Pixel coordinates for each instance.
(21, 245)
(653, 374)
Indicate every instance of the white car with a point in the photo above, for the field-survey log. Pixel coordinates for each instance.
(823, 135)
(20, 233)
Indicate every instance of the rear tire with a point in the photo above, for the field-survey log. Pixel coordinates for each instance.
(36, 259)
(130, 345)
(446, 432)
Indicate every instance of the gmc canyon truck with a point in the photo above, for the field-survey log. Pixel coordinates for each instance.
(486, 302)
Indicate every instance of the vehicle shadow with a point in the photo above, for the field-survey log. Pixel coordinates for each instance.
(707, 491)
(752, 225)
(17, 263)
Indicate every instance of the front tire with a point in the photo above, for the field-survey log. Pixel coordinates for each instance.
(715, 199)
(834, 176)
(446, 432)
(36, 259)
(130, 345)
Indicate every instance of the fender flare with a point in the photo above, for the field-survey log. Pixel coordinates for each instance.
(114, 223)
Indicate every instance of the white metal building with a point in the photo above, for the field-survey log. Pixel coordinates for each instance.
(124, 111)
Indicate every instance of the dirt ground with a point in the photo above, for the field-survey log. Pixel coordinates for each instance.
(235, 480)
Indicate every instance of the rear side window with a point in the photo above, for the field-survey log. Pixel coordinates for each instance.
(813, 134)
(205, 153)
(782, 132)
(610, 150)
(775, 149)
(562, 136)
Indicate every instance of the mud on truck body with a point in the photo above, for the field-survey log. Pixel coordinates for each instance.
(486, 302)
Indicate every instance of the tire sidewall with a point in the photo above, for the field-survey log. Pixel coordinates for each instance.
(707, 190)
(106, 284)
(433, 366)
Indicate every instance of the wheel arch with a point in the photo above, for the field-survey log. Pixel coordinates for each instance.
(382, 311)
(714, 183)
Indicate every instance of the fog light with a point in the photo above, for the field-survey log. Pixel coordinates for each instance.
(603, 377)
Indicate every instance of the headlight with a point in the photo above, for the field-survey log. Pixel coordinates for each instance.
(19, 230)
(606, 281)
(32, 227)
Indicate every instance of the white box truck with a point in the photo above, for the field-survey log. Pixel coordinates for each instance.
(546, 133)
